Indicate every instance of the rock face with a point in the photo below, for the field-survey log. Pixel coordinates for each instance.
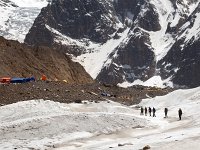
(125, 40)
(182, 61)
(19, 60)
(136, 59)
(73, 19)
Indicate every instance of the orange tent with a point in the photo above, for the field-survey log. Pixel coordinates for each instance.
(44, 78)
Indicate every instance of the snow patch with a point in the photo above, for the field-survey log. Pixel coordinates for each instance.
(154, 81)
(160, 41)
(30, 3)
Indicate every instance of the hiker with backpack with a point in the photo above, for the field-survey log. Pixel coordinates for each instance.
(145, 111)
(149, 111)
(141, 111)
(166, 111)
(154, 112)
(180, 113)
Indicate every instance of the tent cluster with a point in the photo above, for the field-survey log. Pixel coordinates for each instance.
(7, 80)
(16, 80)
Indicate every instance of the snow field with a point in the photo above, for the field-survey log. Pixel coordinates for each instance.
(39, 124)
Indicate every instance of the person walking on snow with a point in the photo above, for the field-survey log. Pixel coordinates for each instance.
(166, 111)
(145, 111)
(180, 113)
(142, 111)
(154, 112)
(150, 111)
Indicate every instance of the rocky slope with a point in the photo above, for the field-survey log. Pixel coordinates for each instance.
(68, 93)
(19, 60)
(125, 40)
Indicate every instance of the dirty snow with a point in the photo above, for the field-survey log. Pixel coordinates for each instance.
(39, 124)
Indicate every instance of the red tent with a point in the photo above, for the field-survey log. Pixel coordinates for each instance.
(5, 80)
(44, 78)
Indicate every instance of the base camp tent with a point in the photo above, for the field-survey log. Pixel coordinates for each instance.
(21, 80)
(5, 80)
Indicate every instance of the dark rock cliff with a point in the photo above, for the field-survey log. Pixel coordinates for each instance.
(98, 21)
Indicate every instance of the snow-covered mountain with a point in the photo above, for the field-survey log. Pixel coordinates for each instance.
(17, 17)
(126, 41)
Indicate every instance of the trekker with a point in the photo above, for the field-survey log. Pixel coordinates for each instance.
(150, 111)
(154, 112)
(145, 111)
(180, 113)
(166, 111)
(142, 111)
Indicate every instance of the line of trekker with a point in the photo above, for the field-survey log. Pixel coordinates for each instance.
(152, 112)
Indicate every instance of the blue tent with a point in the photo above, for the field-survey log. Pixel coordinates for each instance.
(22, 80)
(29, 79)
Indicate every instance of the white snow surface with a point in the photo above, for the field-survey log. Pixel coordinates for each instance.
(15, 21)
(30, 3)
(154, 81)
(39, 124)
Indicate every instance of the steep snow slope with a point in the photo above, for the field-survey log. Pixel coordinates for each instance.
(17, 17)
(160, 41)
(40, 124)
(170, 16)
(98, 58)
